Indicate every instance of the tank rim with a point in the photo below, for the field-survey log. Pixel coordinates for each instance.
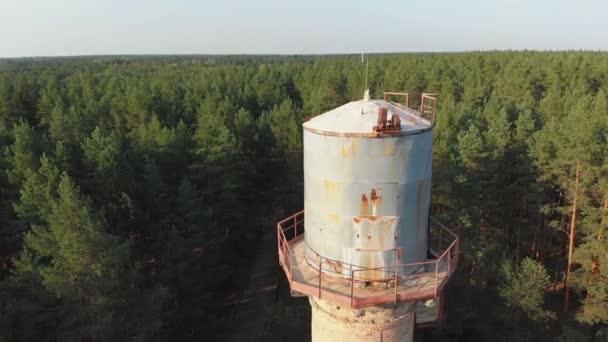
(371, 134)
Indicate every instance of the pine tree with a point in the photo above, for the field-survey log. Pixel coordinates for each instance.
(50, 99)
(284, 122)
(523, 288)
(472, 147)
(245, 130)
(22, 155)
(76, 260)
(7, 118)
(38, 192)
(103, 153)
(213, 140)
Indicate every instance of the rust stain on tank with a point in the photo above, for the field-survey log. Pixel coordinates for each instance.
(332, 189)
(358, 219)
(374, 195)
(365, 256)
(349, 149)
(364, 205)
(376, 202)
(390, 148)
(335, 265)
(334, 218)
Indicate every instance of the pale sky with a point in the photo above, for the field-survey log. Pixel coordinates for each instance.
(101, 27)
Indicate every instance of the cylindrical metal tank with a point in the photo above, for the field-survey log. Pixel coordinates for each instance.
(367, 191)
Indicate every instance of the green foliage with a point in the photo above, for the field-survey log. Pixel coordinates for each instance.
(498, 136)
(523, 288)
(22, 154)
(212, 138)
(244, 126)
(83, 257)
(283, 121)
(74, 258)
(177, 165)
(103, 153)
(38, 192)
(472, 147)
(592, 277)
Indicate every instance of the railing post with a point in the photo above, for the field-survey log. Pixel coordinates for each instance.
(290, 266)
(320, 265)
(449, 261)
(295, 225)
(291, 257)
(436, 275)
(352, 285)
(396, 281)
(458, 248)
(279, 243)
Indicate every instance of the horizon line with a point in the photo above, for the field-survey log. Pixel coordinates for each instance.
(299, 54)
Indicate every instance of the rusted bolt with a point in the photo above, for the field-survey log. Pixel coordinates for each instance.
(373, 195)
(395, 121)
(382, 114)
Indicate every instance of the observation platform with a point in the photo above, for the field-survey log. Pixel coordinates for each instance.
(306, 270)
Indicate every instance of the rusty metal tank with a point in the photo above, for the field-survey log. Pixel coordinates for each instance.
(367, 182)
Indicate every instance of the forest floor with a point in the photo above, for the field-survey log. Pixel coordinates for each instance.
(246, 318)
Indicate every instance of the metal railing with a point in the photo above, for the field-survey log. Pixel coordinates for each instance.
(426, 103)
(286, 255)
(403, 277)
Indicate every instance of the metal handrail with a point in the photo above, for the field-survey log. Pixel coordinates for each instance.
(427, 108)
(287, 256)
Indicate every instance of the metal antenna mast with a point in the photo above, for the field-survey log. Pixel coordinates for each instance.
(365, 89)
(366, 69)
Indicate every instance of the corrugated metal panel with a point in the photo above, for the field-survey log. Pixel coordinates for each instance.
(375, 242)
(358, 178)
(375, 232)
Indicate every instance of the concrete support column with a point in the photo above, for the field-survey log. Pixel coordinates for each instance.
(386, 323)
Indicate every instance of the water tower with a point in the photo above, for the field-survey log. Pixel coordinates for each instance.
(364, 249)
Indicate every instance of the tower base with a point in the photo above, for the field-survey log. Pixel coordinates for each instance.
(386, 323)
